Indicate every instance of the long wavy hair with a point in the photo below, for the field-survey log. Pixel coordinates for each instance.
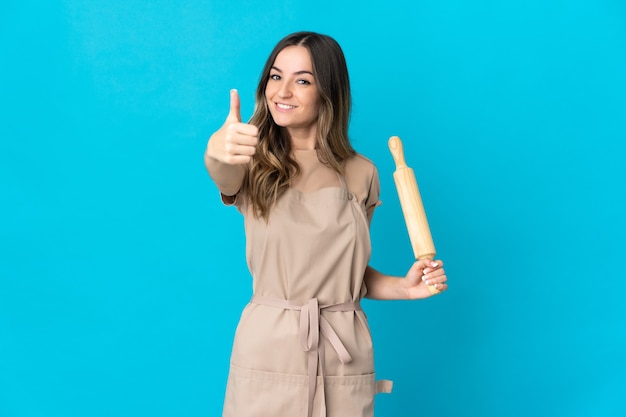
(272, 168)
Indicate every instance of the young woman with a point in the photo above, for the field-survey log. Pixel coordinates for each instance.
(303, 346)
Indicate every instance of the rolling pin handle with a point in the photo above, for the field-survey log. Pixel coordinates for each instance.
(397, 151)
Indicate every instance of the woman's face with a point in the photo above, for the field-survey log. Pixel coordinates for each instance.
(292, 94)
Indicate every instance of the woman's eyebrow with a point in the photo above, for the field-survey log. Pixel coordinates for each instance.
(296, 73)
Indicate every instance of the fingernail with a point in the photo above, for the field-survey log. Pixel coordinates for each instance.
(434, 264)
(423, 277)
(427, 282)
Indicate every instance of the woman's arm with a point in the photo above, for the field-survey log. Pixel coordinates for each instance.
(412, 286)
(228, 178)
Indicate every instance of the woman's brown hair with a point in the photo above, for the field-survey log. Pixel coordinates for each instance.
(272, 167)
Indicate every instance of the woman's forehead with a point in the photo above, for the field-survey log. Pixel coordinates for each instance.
(293, 59)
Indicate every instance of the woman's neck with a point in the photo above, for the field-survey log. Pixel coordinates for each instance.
(302, 140)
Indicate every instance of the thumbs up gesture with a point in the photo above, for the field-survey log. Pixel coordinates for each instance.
(235, 142)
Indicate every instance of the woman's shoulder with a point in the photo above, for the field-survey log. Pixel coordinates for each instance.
(361, 176)
(358, 164)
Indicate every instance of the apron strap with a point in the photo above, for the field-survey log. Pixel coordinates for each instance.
(384, 386)
(344, 186)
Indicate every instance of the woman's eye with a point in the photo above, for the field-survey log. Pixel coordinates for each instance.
(304, 82)
(274, 76)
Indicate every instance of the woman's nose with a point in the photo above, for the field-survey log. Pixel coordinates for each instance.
(284, 91)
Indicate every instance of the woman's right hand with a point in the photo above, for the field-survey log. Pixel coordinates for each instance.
(235, 142)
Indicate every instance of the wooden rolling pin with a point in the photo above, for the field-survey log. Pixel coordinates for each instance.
(412, 206)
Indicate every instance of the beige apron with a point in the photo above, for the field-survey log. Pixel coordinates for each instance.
(303, 347)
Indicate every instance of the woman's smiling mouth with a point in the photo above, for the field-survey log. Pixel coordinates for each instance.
(285, 106)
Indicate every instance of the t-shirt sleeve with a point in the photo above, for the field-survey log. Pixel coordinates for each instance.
(229, 200)
(238, 200)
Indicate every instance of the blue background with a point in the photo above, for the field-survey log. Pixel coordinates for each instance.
(122, 275)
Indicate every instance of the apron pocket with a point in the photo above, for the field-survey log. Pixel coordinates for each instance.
(350, 395)
(251, 393)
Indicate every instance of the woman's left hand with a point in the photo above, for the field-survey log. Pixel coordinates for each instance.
(421, 274)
